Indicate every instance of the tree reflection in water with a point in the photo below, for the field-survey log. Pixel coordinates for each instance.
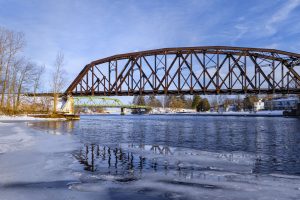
(114, 160)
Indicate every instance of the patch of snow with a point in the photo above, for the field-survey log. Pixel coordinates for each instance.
(5, 118)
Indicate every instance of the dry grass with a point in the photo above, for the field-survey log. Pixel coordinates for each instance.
(25, 109)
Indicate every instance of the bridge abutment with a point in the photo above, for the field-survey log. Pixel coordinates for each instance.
(68, 105)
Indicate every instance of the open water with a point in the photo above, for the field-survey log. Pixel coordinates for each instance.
(151, 157)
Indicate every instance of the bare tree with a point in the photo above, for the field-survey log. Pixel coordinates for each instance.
(18, 75)
(15, 72)
(11, 43)
(58, 82)
(25, 78)
(37, 80)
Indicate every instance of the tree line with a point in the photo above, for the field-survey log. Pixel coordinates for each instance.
(215, 103)
(19, 75)
(174, 102)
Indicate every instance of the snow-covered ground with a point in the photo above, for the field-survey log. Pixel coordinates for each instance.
(169, 111)
(4, 118)
(230, 113)
(261, 112)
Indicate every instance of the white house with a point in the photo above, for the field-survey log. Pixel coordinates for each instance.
(259, 105)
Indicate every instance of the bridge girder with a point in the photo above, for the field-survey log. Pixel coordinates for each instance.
(191, 70)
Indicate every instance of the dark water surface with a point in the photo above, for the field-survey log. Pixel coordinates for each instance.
(275, 142)
(182, 157)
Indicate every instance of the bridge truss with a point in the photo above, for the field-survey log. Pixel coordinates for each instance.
(191, 70)
(103, 102)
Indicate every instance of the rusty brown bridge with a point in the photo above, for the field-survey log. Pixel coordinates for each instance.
(191, 70)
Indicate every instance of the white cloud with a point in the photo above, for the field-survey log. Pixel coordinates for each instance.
(281, 15)
(241, 31)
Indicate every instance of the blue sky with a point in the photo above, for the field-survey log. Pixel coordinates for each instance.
(88, 30)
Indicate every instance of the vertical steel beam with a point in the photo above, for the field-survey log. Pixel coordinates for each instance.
(191, 70)
(109, 78)
(93, 90)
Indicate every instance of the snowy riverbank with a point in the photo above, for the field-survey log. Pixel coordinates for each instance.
(267, 113)
(7, 118)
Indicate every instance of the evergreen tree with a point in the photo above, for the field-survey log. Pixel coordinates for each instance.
(203, 105)
(206, 105)
(196, 101)
(249, 102)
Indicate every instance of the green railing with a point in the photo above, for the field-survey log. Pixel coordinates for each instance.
(104, 102)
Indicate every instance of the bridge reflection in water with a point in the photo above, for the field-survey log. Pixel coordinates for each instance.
(117, 161)
(269, 148)
(132, 162)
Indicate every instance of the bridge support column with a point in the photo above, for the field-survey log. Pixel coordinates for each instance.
(55, 100)
(68, 106)
(123, 110)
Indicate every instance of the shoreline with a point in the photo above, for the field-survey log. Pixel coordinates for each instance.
(221, 115)
(24, 118)
(229, 114)
(277, 113)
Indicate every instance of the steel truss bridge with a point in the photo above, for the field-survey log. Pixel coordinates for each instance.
(191, 70)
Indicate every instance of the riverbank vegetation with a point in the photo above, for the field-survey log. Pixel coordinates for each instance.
(201, 104)
(21, 79)
(18, 74)
(173, 102)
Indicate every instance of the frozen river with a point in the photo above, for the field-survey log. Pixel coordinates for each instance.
(151, 157)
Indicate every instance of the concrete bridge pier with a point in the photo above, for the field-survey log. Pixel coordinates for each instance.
(123, 110)
(68, 105)
(68, 108)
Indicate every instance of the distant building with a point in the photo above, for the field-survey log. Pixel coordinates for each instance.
(259, 105)
(282, 103)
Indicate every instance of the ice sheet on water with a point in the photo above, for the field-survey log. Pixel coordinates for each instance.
(13, 138)
(5, 118)
(239, 187)
(36, 165)
(181, 173)
(185, 157)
